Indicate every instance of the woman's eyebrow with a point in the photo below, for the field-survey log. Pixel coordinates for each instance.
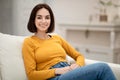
(38, 15)
(41, 15)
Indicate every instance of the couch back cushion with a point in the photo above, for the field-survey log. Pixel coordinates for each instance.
(11, 62)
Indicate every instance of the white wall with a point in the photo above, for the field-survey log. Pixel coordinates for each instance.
(74, 11)
(6, 16)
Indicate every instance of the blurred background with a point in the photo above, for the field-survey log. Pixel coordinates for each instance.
(91, 26)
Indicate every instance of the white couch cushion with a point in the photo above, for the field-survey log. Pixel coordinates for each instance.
(11, 62)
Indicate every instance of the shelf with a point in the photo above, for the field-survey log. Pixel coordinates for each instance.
(95, 48)
(91, 27)
(95, 41)
(88, 24)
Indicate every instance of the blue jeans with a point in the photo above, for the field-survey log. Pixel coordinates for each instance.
(97, 71)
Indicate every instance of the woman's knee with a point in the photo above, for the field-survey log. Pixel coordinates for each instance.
(104, 66)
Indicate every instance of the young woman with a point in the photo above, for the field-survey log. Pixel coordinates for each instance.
(45, 54)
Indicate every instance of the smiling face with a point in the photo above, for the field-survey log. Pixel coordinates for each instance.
(42, 20)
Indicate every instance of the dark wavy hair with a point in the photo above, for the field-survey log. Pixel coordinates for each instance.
(31, 23)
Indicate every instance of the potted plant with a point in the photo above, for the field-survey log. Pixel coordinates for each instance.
(104, 4)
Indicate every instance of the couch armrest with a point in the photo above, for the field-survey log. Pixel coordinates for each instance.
(115, 67)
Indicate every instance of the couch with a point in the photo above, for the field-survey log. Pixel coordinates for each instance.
(11, 62)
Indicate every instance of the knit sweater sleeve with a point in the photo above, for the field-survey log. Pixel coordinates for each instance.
(30, 63)
(77, 56)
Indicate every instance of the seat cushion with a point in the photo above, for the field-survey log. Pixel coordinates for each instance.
(11, 62)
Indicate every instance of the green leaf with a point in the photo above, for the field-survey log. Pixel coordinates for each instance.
(101, 2)
(109, 3)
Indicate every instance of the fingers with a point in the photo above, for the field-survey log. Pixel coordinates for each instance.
(74, 66)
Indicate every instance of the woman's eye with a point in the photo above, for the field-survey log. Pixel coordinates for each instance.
(39, 17)
(47, 17)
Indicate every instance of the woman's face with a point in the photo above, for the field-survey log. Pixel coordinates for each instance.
(42, 20)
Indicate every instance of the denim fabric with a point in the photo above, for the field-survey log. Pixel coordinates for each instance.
(97, 71)
(59, 65)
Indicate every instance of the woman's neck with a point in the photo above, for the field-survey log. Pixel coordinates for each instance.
(42, 35)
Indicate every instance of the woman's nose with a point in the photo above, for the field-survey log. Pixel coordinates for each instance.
(43, 20)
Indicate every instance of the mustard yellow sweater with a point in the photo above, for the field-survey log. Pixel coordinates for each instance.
(40, 54)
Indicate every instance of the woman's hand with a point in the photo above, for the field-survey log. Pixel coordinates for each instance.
(62, 70)
(66, 69)
(74, 66)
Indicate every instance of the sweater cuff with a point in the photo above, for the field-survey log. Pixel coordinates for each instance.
(80, 64)
(53, 72)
